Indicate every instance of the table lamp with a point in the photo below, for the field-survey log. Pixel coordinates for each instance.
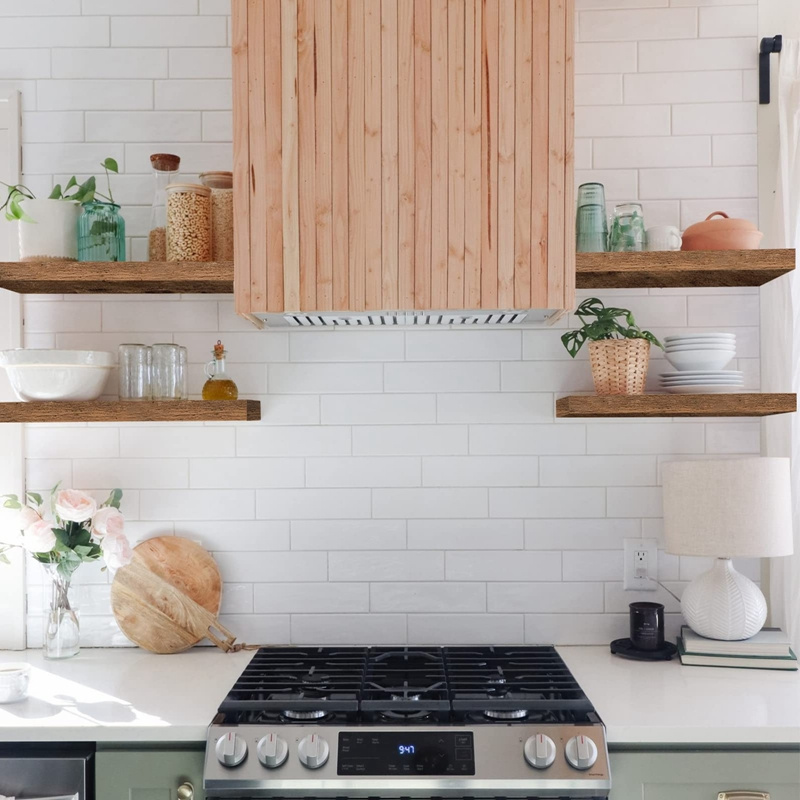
(733, 508)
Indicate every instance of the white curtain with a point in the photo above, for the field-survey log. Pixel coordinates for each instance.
(780, 343)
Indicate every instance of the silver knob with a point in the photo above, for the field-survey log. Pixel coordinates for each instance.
(313, 751)
(540, 751)
(231, 749)
(186, 791)
(581, 752)
(272, 751)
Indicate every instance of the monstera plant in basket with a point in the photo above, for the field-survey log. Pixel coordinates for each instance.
(619, 351)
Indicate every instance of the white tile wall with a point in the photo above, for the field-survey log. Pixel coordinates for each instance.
(402, 486)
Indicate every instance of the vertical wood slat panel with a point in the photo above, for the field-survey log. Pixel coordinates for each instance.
(540, 154)
(339, 155)
(439, 121)
(568, 242)
(472, 153)
(355, 152)
(241, 155)
(405, 152)
(389, 148)
(372, 154)
(522, 156)
(274, 146)
(422, 144)
(322, 183)
(306, 90)
(490, 107)
(289, 118)
(455, 153)
(557, 135)
(505, 166)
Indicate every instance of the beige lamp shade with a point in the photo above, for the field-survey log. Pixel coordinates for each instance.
(733, 508)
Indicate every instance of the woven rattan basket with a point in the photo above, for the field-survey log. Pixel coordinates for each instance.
(619, 366)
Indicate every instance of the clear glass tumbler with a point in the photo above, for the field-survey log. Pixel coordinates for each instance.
(135, 366)
(167, 381)
(591, 229)
(627, 229)
(183, 357)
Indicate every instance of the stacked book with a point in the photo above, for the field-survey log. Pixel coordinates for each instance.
(768, 649)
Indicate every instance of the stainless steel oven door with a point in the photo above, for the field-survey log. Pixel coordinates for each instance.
(53, 773)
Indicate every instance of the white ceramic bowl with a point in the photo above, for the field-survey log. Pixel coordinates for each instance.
(676, 337)
(14, 682)
(699, 359)
(707, 346)
(57, 374)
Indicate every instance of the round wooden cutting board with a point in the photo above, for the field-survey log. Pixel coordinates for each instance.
(168, 597)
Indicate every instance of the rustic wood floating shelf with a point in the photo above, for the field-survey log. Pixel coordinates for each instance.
(594, 271)
(132, 411)
(676, 405)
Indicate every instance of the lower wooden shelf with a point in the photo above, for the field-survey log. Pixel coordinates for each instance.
(132, 411)
(676, 405)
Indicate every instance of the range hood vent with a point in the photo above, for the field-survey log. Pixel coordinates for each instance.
(396, 318)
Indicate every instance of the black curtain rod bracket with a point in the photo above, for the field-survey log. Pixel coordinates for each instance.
(769, 45)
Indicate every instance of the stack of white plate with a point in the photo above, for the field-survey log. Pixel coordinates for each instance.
(700, 359)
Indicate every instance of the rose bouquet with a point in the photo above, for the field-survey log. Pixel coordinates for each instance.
(79, 531)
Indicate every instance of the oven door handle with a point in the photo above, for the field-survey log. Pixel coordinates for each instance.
(54, 797)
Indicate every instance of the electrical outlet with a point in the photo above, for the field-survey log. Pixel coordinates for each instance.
(641, 565)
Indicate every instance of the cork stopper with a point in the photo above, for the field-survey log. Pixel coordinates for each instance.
(165, 162)
(219, 350)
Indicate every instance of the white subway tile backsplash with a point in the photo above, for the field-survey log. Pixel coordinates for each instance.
(350, 534)
(385, 565)
(237, 535)
(446, 376)
(90, 95)
(444, 629)
(636, 501)
(730, 21)
(494, 407)
(428, 597)
(687, 55)
(54, 31)
(136, 7)
(371, 629)
(696, 182)
(739, 151)
(119, 62)
(49, 158)
(62, 316)
(132, 473)
(298, 440)
(325, 378)
(71, 442)
(272, 567)
(363, 471)
(597, 470)
(246, 473)
(592, 565)
(193, 94)
(640, 24)
(598, 89)
(652, 151)
(199, 62)
(172, 315)
(480, 471)
(698, 118)
(294, 504)
(168, 31)
(546, 502)
(189, 504)
(545, 597)
(526, 439)
(410, 440)
(346, 345)
(648, 120)
(738, 438)
(580, 534)
(465, 534)
(683, 87)
(137, 126)
(503, 565)
(592, 58)
(195, 157)
(259, 628)
(50, 126)
(19, 63)
(311, 598)
(656, 437)
(379, 409)
(429, 503)
(180, 441)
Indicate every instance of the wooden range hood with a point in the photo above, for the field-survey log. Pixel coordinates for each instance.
(403, 156)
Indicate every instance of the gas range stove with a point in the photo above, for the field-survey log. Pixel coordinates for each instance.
(400, 722)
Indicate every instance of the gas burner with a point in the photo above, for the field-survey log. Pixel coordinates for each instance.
(507, 716)
(303, 716)
(398, 698)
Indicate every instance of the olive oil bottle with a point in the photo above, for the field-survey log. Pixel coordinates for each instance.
(218, 386)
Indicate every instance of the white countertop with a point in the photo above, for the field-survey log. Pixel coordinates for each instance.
(128, 695)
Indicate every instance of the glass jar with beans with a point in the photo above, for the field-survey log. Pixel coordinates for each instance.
(221, 185)
(188, 222)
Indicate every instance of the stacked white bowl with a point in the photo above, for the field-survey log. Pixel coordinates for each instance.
(700, 359)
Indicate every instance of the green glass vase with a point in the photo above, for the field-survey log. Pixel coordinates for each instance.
(101, 233)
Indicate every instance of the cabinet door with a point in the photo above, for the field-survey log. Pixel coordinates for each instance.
(403, 154)
(147, 774)
(702, 775)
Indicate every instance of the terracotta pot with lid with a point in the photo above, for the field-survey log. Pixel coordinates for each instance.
(722, 234)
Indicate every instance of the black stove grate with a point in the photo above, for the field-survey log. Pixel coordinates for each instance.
(406, 685)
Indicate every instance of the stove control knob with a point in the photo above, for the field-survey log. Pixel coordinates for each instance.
(231, 749)
(540, 751)
(313, 751)
(272, 751)
(581, 752)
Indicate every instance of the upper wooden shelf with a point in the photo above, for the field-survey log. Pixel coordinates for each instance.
(132, 411)
(676, 405)
(594, 271)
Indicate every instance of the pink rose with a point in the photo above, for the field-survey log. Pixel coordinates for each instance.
(26, 517)
(107, 522)
(116, 550)
(75, 506)
(39, 537)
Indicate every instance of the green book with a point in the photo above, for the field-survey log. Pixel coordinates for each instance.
(742, 662)
(771, 642)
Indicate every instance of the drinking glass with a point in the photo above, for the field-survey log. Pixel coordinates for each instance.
(135, 366)
(167, 378)
(591, 194)
(627, 229)
(591, 229)
(183, 357)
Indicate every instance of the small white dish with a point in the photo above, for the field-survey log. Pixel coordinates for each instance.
(57, 374)
(14, 677)
(711, 335)
(700, 359)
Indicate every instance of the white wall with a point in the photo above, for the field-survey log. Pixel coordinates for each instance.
(402, 486)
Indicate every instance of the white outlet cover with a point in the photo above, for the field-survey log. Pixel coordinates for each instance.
(650, 548)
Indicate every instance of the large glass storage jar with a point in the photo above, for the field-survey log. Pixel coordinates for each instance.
(221, 185)
(101, 233)
(166, 168)
(188, 222)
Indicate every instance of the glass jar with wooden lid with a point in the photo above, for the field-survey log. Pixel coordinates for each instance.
(166, 168)
(221, 185)
(188, 222)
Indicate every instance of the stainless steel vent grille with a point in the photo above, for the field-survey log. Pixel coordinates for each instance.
(405, 318)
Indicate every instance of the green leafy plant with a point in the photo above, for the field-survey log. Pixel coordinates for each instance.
(604, 325)
(75, 192)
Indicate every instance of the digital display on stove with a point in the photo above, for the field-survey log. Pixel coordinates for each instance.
(394, 753)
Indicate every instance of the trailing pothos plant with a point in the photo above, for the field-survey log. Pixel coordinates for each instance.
(601, 322)
(75, 192)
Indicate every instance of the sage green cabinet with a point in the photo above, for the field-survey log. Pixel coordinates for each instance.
(148, 773)
(699, 775)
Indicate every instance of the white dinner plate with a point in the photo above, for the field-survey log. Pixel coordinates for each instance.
(702, 373)
(705, 388)
(681, 347)
(680, 336)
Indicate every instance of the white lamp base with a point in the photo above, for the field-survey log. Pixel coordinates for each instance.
(724, 604)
